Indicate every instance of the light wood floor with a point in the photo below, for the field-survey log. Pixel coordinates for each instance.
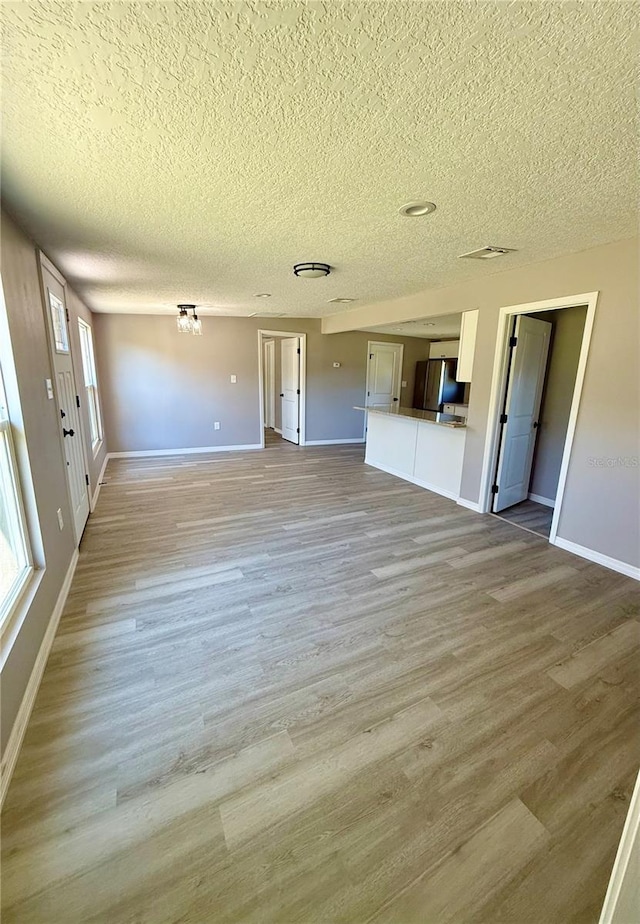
(272, 439)
(291, 688)
(531, 515)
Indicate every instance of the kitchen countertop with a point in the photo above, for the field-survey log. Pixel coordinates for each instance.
(434, 417)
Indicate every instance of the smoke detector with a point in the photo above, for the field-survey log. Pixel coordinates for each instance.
(486, 253)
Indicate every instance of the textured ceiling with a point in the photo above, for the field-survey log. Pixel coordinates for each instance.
(187, 151)
(443, 327)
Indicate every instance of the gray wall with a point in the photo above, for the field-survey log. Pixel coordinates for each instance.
(566, 341)
(164, 390)
(42, 467)
(602, 493)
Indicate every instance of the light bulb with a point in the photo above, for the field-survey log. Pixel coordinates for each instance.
(196, 326)
(184, 322)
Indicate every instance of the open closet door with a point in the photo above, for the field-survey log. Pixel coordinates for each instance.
(529, 352)
(290, 395)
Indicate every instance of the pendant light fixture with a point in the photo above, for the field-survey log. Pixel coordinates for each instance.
(187, 324)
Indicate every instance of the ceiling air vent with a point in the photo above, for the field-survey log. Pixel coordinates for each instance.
(486, 253)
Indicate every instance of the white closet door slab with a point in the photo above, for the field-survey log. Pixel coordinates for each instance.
(291, 389)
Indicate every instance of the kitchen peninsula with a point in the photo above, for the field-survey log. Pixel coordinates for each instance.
(423, 447)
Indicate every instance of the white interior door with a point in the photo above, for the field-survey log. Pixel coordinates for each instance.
(524, 393)
(66, 397)
(384, 374)
(290, 395)
(269, 367)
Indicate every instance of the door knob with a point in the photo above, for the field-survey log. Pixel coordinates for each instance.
(68, 432)
(282, 394)
(395, 399)
(535, 425)
(62, 414)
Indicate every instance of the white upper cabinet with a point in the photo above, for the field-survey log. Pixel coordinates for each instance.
(467, 345)
(445, 349)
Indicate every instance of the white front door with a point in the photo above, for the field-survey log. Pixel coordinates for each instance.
(290, 395)
(269, 384)
(520, 419)
(384, 374)
(67, 400)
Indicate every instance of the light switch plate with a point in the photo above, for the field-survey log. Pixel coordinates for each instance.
(234, 379)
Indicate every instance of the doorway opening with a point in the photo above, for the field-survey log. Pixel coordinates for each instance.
(282, 387)
(541, 356)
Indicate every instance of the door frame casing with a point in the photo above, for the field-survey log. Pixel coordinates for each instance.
(275, 334)
(498, 385)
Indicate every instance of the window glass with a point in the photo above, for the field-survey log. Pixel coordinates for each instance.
(14, 557)
(58, 323)
(90, 382)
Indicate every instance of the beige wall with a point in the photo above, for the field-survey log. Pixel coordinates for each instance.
(40, 458)
(562, 367)
(164, 390)
(601, 498)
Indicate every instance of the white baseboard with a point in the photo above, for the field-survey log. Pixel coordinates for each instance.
(469, 504)
(539, 499)
(421, 484)
(148, 453)
(94, 499)
(591, 555)
(333, 442)
(24, 713)
(620, 901)
(278, 430)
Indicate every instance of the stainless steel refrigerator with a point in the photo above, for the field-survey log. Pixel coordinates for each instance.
(436, 384)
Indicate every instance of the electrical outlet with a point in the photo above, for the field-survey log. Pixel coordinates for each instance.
(216, 425)
(60, 520)
(404, 384)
